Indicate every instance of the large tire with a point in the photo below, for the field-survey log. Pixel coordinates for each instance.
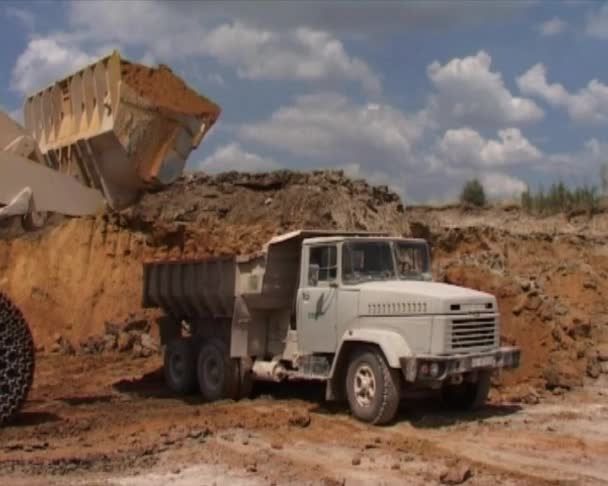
(180, 365)
(372, 387)
(16, 359)
(215, 372)
(468, 396)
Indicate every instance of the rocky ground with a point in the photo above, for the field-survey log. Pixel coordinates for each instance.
(99, 413)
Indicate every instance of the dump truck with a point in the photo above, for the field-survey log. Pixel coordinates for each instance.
(103, 135)
(357, 311)
(99, 137)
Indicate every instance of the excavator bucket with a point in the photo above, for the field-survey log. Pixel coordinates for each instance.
(119, 127)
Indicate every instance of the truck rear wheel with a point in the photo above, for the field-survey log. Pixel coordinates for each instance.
(214, 371)
(372, 387)
(180, 365)
(16, 359)
(468, 396)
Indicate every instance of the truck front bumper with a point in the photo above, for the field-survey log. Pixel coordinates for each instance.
(437, 367)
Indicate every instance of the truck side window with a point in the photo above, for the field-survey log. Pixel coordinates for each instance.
(326, 257)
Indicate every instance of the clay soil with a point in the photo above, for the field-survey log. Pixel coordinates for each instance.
(108, 419)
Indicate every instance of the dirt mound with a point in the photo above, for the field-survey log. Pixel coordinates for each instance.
(551, 292)
(166, 90)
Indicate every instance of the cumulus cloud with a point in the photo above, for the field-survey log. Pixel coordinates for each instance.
(499, 185)
(233, 157)
(589, 104)
(470, 93)
(44, 61)
(466, 147)
(331, 127)
(168, 32)
(552, 27)
(597, 23)
(303, 54)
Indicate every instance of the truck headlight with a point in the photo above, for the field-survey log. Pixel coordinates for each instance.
(434, 370)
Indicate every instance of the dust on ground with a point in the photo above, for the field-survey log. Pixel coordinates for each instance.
(113, 422)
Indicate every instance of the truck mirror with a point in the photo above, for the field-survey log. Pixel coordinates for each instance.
(313, 275)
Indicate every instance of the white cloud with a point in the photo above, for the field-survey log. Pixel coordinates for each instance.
(597, 23)
(233, 157)
(303, 54)
(332, 128)
(44, 61)
(552, 27)
(589, 104)
(499, 185)
(174, 32)
(468, 92)
(467, 148)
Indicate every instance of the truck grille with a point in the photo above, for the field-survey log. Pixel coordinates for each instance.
(480, 332)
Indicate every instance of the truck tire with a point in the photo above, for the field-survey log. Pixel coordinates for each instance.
(16, 359)
(468, 396)
(180, 365)
(215, 371)
(372, 387)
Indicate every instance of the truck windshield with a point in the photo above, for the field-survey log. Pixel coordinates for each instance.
(375, 260)
(412, 260)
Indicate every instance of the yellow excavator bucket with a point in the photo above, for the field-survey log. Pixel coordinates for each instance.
(119, 127)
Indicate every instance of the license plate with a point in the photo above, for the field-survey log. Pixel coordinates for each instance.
(482, 361)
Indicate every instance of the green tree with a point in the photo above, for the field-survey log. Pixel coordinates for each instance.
(473, 193)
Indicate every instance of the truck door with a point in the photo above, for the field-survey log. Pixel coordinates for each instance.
(318, 301)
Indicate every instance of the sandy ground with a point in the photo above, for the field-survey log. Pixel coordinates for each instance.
(108, 420)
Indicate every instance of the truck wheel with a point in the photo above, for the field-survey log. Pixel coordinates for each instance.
(468, 396)
(215, 371)
(372, 387)
(179, 368)
(16, 359)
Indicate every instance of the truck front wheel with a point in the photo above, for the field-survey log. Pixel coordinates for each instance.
(179, 366)
(372, 387)
(468, 396)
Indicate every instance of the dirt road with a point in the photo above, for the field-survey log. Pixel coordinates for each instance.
(109, 420)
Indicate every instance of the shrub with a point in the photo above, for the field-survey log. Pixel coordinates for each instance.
(473, 193)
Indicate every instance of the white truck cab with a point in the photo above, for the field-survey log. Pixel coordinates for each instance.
(358, 311)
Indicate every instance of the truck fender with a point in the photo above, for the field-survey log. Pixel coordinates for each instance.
(392, 345)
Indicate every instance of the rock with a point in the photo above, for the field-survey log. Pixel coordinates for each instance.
(277, 446)
(593, 368)
(301, 419)
(602, 351)
(395, 466)
(456, 474)
(533, 302)
(109, 342)
(141, 325)
(560, 374)
(560, 309)
(124, 342)
(111, 328)
(137, 350)
(356, 461)
(604, 367)
(147, 342)
(525, 285)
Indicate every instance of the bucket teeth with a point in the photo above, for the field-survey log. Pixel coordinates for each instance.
(16, 359)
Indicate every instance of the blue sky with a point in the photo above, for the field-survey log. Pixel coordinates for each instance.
(417, 95)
